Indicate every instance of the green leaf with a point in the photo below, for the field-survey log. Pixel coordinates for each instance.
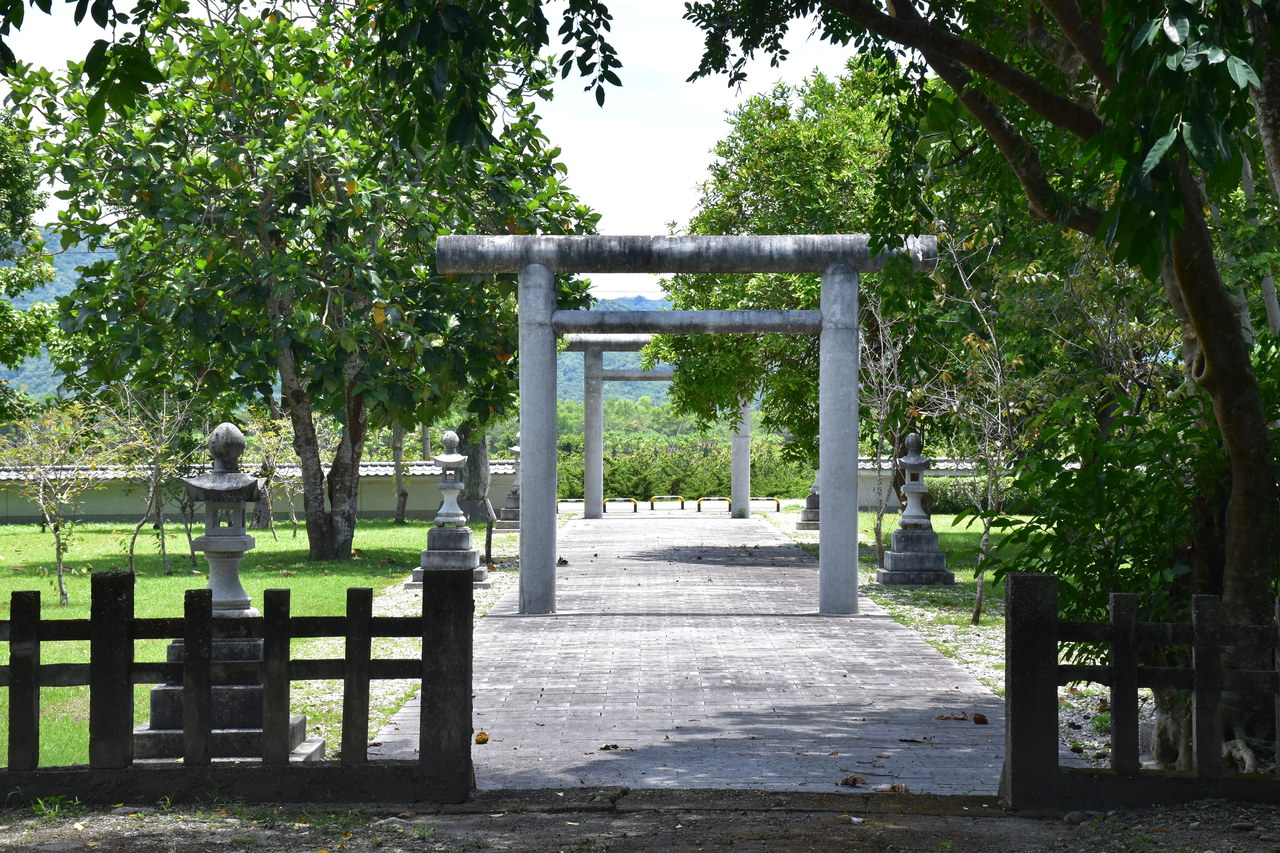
(1176, 28)
(1158, 150)
(1242, 73)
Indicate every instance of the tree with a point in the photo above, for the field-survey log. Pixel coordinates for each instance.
(270, 229)
(59, 451)
(797, 160)
(155, 437)
(1118, 123)
(441, 61)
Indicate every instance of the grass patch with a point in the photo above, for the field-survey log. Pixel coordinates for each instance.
(385, 554)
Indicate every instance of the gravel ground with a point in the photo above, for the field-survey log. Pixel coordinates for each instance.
(617, 820)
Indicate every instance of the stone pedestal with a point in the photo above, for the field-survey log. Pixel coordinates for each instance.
(914, 557)
(235, 715)
(450, 548)
(509, 515)
(809, 515)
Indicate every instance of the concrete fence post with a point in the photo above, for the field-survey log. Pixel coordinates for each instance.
(1031, 690)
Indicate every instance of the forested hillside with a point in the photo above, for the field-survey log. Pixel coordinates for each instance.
(569, 364)
(40, 379)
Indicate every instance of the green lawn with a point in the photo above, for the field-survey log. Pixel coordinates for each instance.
(386, 554)
(943, 615)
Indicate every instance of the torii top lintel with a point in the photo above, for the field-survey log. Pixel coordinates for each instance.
(800, 253)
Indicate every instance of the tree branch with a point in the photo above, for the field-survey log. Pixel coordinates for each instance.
(910, 30)
(1082, 38)
(1022, 156)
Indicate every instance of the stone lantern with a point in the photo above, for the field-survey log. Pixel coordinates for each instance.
(235, 712)
(449, 540)
(914, 557)
(509, 515)
(225, 491)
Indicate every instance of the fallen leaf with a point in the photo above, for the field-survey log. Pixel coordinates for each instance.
(1103, 705)
(482, 737)
(852, 781)
(979, 719)
(78, 827)
(609, 746)
(895, 788)
(911, 740)
(841, 820)
(561, 561)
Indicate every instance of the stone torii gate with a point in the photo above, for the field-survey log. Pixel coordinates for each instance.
(537, 259)
(593, 348)
(594, 375)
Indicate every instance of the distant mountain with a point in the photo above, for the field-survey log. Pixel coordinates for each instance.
(569, 364)
(37, 375)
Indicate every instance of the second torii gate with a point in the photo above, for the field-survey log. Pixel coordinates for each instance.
(838, 258)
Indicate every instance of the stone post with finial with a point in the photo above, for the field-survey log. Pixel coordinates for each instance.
(449, 539)
(509, 515)
(914, 557)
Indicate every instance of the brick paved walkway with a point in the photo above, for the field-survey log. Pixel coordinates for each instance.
(693, 644)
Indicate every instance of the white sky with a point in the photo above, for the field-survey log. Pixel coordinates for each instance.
(638, 160)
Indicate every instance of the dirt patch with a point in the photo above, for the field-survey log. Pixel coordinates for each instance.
(621, 820)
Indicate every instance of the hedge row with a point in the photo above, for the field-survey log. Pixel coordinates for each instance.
(641, 467)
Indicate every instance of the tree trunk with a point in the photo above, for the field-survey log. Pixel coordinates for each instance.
(321, 541)
(475, 476)
(55, 525)
(397, 459)
(263, 513)
(1223, 368)
(164, 546)
(137, 528)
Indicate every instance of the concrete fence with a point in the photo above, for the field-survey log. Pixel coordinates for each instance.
(121, 497)
(1034, 634)
(442, 771)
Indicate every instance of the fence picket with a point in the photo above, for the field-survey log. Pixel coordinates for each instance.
(24, 685)
(275, 676)
(355, 686)
(197, 682)
(1206, 698)
(110, 656)
(1124, 682)
(444, 726)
